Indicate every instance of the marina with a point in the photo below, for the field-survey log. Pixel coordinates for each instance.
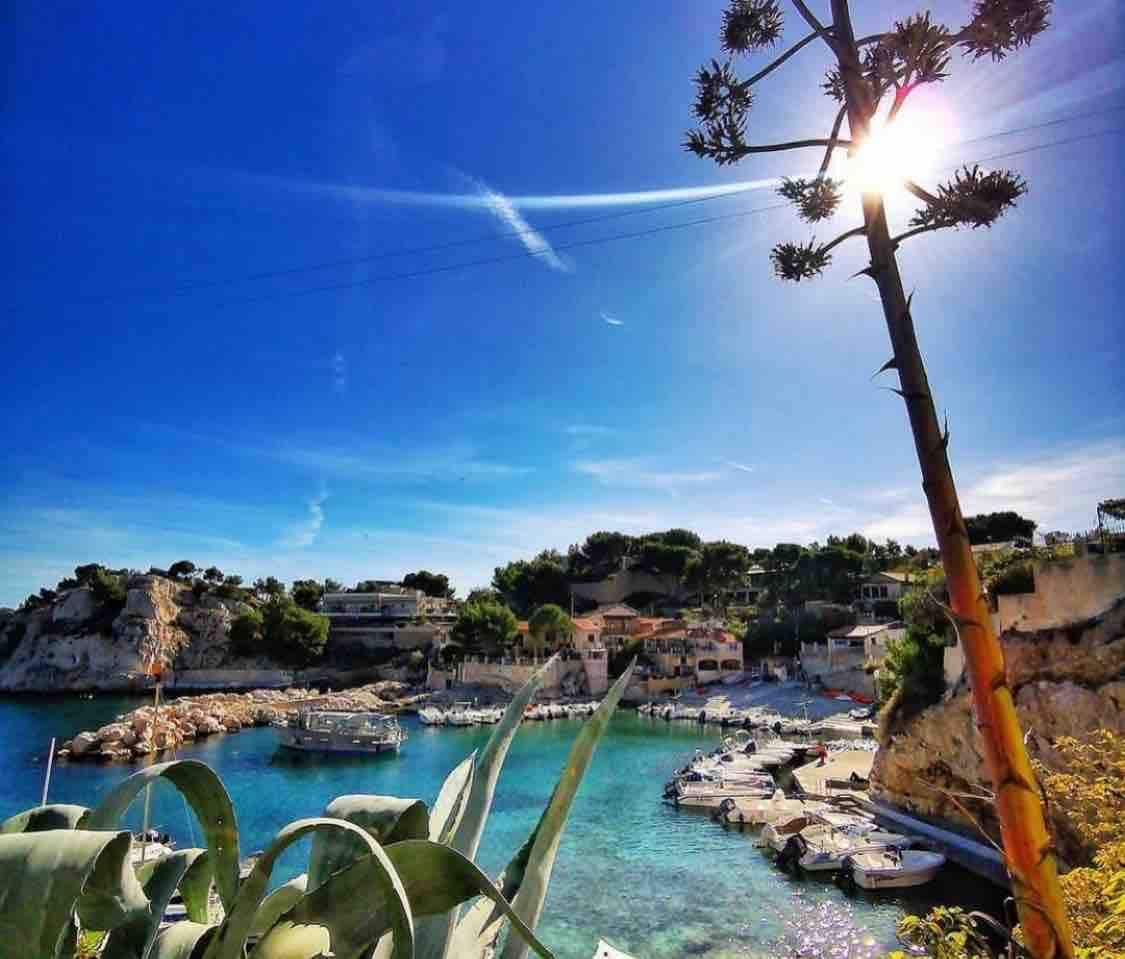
(695, 887)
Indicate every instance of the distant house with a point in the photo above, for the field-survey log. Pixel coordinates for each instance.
(878, 594)
(616, 622)
(391, 619)
(865, 643)
(695, 654)
(751, 588)
(587, 634)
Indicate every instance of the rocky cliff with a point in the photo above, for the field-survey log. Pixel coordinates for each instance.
(1068, 681)
(71, 646)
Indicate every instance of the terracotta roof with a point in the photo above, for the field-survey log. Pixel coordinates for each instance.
(897, 577)
(587, 625)
(523, 627)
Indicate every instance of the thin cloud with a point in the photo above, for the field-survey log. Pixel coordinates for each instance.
(533, 241)
(588, 429)
(611, 320)
(737, 466)
(339, 372)
(455, 462)
(637, 473)
(304, 532)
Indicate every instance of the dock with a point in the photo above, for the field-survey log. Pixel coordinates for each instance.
(838, 768)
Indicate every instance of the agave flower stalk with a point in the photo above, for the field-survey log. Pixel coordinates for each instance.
(866, 71)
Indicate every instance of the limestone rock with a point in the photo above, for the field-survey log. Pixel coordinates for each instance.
(83, 743)
(77, 606)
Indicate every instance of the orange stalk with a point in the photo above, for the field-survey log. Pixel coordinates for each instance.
(1028, 846)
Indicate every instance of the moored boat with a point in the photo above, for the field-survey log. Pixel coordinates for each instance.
(891, 868)
(342, 732)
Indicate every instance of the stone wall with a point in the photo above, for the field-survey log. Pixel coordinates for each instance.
(512, 675)
(1066, 591)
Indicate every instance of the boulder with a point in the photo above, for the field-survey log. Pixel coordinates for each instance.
(83, 743)
(142, 748)
(111, 733)
(129, 738)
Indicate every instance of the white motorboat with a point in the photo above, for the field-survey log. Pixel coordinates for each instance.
(761, 812)
(431, 716)
(777, 833)
(710, 795)
(823, 848)
(606, 951)
(892, 868)
(462, 714)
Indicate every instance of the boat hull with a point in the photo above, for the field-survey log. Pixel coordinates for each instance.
(308, 745)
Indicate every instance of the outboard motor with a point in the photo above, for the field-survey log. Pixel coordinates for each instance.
(791, 854)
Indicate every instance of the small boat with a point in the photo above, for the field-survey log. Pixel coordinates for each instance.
(462, 714)
(431, 716)
(342, 732)
(892, 868)
(761, 812)
(823, 848)
(150, 846)
(606, 951)
(703, 794)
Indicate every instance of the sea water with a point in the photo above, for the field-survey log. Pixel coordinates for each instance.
(655, 881)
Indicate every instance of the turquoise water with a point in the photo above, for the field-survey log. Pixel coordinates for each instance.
(655, 881)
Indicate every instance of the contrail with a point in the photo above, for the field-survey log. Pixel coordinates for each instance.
(556, 201)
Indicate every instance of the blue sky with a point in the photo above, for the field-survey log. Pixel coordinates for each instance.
(180, 383)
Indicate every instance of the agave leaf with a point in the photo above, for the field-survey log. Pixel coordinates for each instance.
(435, 934)
(531, 870)
(386, 818)
(438, 879)
(52, 816)
(345, 916)
(277, 903)
(46, 876)
(229, 940)
(195, 888)
(489, 762)
(182, 940)
(449, 807)
(133, 938)
(208, 798)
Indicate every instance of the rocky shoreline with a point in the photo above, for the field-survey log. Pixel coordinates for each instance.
(150, 731)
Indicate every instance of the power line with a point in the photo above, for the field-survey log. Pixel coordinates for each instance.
(512, 257)
(576, 244)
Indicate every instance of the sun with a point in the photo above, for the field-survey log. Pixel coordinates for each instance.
(892, 154)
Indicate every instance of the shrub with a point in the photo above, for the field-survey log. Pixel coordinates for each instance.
(246, 633)
(293, 635)
(185, 567)
(1014, 579)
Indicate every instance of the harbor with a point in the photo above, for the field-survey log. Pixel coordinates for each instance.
(695, 888)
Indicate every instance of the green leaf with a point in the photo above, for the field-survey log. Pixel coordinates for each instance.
(438, 879)
(277, 903)
(53, 816)
(228, 943)
(195, 888)
(208, 798)
(46, 876)
(346, 916)
(133, 938)
(434, 935)
(183, 940)
(386, 818)
(531, 869)
(449, 807)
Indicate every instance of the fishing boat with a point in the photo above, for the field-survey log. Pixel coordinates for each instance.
(342, 732)
(892, 868)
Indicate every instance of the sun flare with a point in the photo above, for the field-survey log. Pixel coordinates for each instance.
(892, 154)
